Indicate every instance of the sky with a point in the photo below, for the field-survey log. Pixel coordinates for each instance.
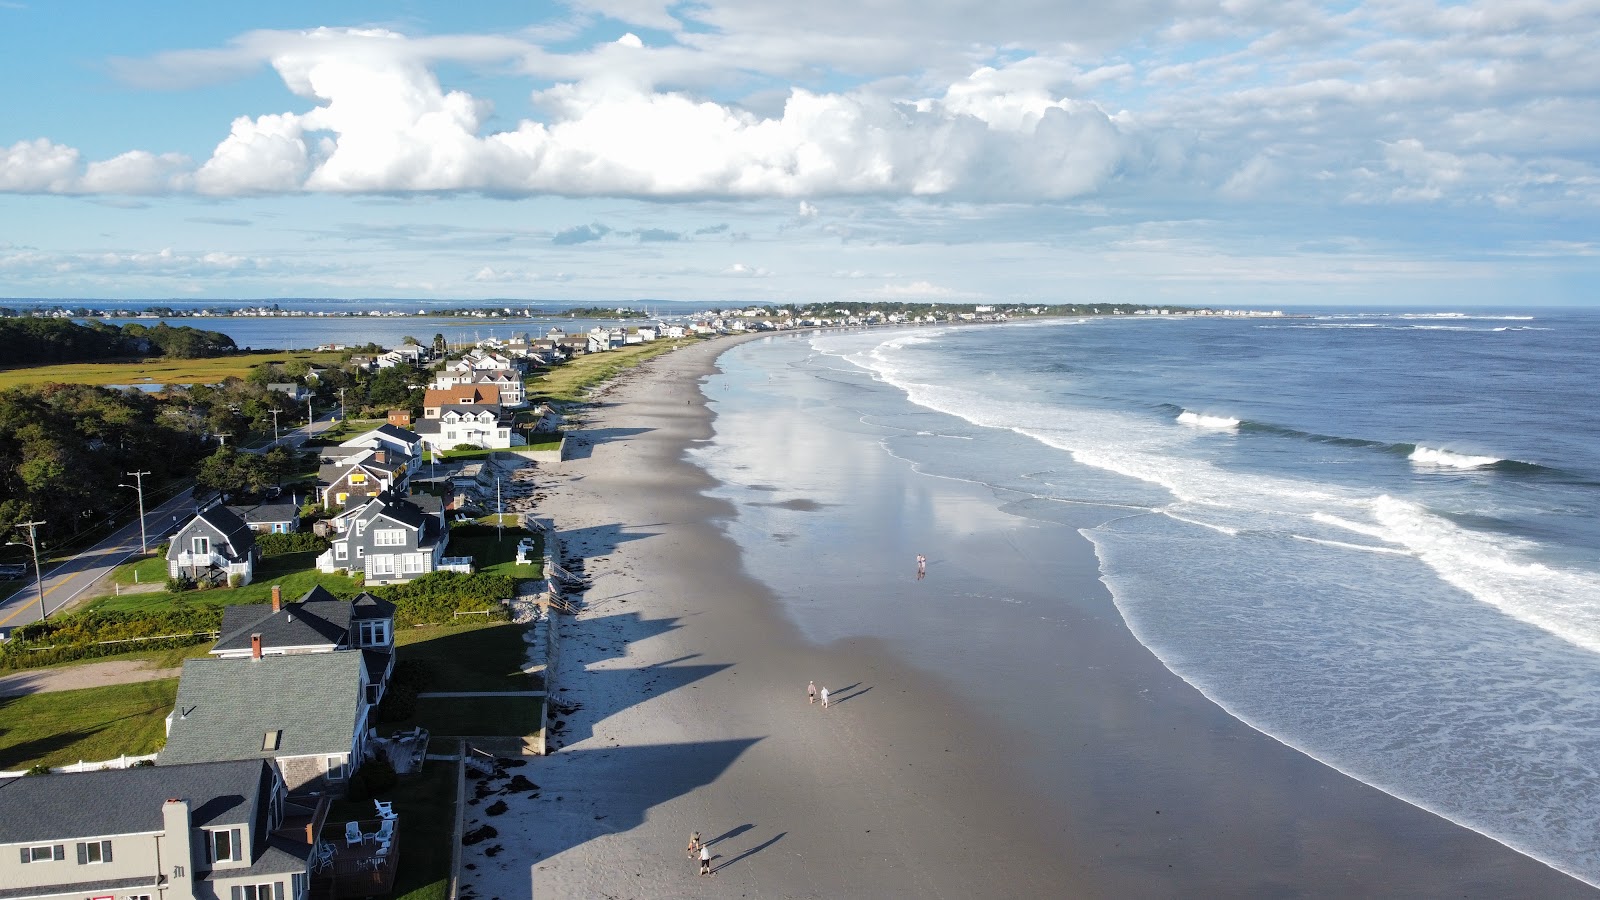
(1216, 152)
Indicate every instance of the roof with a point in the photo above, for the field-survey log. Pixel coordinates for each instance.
(398, 433)
(233, 528)
(126, 801)
(366, 606)
(226, 706)
(476, 393)
(272, 511)
(319, 619)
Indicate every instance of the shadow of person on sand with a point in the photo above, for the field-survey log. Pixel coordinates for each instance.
(729, 834)
(751, 852)
(837, 699)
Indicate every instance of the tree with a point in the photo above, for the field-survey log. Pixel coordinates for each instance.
(440, 346)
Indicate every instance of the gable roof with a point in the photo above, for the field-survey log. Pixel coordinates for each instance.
(226, 706)
(398, 433)
(318, 619)
(128, 801)
(475, 394)
(365, 606)
(232, 528)
(270, 511)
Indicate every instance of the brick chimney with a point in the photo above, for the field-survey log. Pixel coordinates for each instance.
(381, 456)
(255, 646)
(277, 598)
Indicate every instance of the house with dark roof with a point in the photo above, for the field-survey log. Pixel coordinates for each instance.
(397, 440)
(318, 622)
(214, 546)
(207, 831)
(350, 474)
(280, 516)
(308, 713)
(388, 540)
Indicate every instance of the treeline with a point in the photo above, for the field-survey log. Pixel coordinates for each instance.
(31, 341)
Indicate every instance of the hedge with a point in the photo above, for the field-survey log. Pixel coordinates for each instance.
(295, 542)
(84, 636)
(434, 598)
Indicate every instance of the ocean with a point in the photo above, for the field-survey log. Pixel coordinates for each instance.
(1374, 537)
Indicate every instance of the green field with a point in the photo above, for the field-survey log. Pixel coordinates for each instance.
(158, 370)
(93, 724)
(568, 382)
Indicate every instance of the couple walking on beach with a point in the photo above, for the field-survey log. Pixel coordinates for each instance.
(811, 694)
(698, 848)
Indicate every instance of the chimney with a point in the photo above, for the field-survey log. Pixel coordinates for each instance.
(179, 851)
(381, 456)
(277, 598)
(255, 646)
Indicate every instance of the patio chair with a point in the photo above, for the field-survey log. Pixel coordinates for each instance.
(323, 857)
(385, 832)
(385, 808)
(352, 834)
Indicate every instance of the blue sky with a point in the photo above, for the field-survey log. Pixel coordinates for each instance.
(1241, 152)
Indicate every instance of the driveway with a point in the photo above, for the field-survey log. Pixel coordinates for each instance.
(87, 675)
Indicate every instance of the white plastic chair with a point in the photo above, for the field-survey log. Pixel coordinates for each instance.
(385, 808)
(385, 832)
(352, 833)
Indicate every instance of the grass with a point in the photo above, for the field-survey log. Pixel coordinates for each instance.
(477, 657)
(568, 382)
(63, 727)
(476, 716)
(295, 572)
(150, 570)
(425, 803)
(158, 370)
(497, 556)
(544, 440)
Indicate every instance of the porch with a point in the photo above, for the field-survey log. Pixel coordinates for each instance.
(356, 859)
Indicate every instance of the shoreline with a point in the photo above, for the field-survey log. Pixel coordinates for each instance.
(690, 678)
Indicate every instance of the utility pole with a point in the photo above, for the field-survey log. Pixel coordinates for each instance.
(144, 545)
(274, 428)
(499, 509)
(310, 417)
(222, 438)
(33, 543)
(342, 415)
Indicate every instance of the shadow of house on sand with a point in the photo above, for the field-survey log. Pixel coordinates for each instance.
(576, 796)
(581, 442)
(601, 692)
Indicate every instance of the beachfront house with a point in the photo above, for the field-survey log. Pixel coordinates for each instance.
(388, 539)
(318, 622)
(465, 414)
(396, 439)
(214, 546)
(206, 831)
(306, 712)
(352, 474)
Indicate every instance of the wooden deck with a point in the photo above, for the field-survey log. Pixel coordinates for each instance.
(356, 870)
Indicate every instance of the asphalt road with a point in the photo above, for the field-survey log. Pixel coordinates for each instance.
(69, 580)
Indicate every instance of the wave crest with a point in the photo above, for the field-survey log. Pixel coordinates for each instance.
(1201, 420)
(1428, 456)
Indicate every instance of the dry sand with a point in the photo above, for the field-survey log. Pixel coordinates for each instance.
(690, 714)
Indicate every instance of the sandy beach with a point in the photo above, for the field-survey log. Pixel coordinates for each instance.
(687, 690)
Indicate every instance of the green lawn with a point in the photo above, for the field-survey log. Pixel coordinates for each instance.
(92, 724)
(497, 556)
(544, 441)
(476, 716)
(295, 572)
(149, 570)
(425, 803)
(475, 657)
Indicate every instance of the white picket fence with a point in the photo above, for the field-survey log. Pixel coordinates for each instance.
(121, 762)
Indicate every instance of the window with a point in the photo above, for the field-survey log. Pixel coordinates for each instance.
(389, 537)
(414, 562)
(201, 546)
(341, 550)
(361, 528)
(94, 852)
(335, 768)
(361, 552)
(358, 478)
(376, 633)
(380, 564)
(272, 890)
(45, 853)
(300, 881)
(341, 498)
(273, 740)
(225, 845)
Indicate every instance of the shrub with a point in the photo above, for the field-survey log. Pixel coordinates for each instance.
(399, 703)
(434, 598)
(376, 776)
(235, 580)
(83, 635)
(40, 769)
(179, 583)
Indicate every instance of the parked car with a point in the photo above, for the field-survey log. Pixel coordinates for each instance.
(13, 570)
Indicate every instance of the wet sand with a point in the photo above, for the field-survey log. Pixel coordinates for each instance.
(687, 684)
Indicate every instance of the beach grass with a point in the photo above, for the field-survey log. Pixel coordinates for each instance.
(158, 370)
(476, 657)
(569, 382)
(63, 727)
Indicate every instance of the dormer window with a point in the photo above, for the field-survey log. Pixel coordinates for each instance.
(225, 845)
(375, 633)
(273, 740)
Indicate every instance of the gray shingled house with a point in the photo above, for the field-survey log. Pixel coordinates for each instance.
(318, 622)
(210, 831)
(309, 712)
(214, 545)
(387, 539)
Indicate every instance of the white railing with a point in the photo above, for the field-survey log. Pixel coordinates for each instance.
(121, 762)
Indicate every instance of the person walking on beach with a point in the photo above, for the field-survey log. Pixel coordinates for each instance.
(705, 861)
(922, 566)
(824, 697)
(694, 844)
(811, 692)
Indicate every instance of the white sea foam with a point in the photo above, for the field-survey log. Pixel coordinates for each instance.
(1201, 420)
(1429, 456)
(1344, 545)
